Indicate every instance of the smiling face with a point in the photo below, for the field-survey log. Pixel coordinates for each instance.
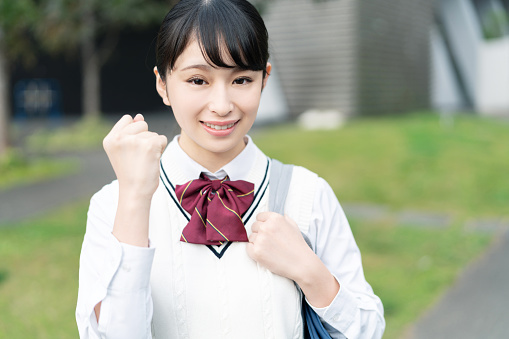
(215, 107)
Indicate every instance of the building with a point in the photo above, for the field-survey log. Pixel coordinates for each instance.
(359, 57)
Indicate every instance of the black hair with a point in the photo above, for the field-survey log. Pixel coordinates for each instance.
(234, 24)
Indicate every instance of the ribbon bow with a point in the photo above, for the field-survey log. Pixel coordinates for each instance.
(216, 208)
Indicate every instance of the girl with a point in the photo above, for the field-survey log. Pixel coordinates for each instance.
(182, 244)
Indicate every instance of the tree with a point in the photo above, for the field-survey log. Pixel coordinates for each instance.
(92, 27)
(16, 19)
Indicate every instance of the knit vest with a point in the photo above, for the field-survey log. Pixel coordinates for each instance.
(213, 292)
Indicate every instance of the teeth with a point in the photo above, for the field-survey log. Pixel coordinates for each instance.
(219, 128)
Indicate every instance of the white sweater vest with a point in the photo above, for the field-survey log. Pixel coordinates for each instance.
(219, 292)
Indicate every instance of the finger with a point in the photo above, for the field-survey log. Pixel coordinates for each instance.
(139, 117)
(256, 226)
(264, 216)
(252, 238)
(163, 141)
(135, 128)
(123, 122)
(147, 135)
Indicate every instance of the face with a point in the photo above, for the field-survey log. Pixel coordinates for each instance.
(214, 107)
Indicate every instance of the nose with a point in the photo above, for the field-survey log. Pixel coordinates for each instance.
(220, 101)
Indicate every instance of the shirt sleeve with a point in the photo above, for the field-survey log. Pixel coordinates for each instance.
(355, 312)
(113, 273)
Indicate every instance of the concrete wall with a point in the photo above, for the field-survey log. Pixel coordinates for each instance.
(313, 48)
(394, 55)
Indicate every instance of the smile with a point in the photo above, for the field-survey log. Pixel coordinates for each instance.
(219, 127)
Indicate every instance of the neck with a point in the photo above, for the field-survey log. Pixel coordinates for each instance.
(212, 161)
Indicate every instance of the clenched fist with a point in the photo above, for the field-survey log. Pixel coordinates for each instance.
(277, 244)
(134, 153)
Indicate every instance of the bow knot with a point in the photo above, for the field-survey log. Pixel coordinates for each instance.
(216, 208)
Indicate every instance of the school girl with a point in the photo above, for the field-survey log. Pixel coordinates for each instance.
(183, 244)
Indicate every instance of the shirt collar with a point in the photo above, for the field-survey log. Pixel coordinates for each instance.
(237, 169)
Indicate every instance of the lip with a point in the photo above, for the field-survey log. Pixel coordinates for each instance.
(221, 132)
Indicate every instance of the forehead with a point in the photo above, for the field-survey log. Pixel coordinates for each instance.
(193, 55)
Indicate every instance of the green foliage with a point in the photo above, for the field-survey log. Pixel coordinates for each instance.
(16, 22)
(87, 134)
(65, 24)
(495, 24)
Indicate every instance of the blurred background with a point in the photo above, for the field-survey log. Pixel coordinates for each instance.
(401, 105)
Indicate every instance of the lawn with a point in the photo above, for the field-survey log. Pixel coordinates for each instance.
(408, 162)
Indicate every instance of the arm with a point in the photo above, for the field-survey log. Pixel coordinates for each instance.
(332, 280)
(114, 295)
(355, 312)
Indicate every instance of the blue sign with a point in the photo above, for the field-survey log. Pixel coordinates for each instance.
(37, 98)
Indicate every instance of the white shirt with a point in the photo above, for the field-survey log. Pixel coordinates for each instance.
(119, 275)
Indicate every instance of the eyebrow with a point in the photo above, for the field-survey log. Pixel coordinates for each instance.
(207, 67)
(197, 66)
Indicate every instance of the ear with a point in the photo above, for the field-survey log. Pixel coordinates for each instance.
(161, 88)
(268, 70)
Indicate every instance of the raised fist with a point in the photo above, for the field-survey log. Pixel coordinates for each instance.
(134, 154)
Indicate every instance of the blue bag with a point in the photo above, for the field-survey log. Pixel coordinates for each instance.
(280, 177)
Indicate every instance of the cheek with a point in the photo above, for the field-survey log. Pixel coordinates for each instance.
(250, 101)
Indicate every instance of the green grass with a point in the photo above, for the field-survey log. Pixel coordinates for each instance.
(16, 169)
(86, 134)
(39, 275)
(406, 162)
(409, 268)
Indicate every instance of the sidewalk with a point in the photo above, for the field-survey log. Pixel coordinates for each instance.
(476, 306)
(23, 202)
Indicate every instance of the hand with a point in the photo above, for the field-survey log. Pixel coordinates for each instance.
(277, 244)
(134, 154)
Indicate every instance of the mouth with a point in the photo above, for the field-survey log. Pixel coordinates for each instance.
(218, 127)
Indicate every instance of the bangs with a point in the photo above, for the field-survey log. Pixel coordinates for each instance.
(226, 30)
(225, 35)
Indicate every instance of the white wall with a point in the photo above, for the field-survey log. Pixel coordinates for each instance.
(273, 105)
(493, 77)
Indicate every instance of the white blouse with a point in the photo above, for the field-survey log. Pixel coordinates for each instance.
(178, 290)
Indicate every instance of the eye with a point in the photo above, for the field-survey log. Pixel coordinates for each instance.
(196, 81)
(242, 81)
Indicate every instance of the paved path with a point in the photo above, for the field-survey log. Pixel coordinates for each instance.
(29, 201)
(477, 305)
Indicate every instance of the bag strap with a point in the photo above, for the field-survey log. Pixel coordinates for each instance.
(280, 179)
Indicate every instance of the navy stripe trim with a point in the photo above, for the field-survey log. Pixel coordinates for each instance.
(258, 203)
(172, 190)
(219, 255)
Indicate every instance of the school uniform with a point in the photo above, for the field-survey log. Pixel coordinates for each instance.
(174, 289)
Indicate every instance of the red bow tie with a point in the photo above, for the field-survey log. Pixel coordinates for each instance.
(216, 208)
